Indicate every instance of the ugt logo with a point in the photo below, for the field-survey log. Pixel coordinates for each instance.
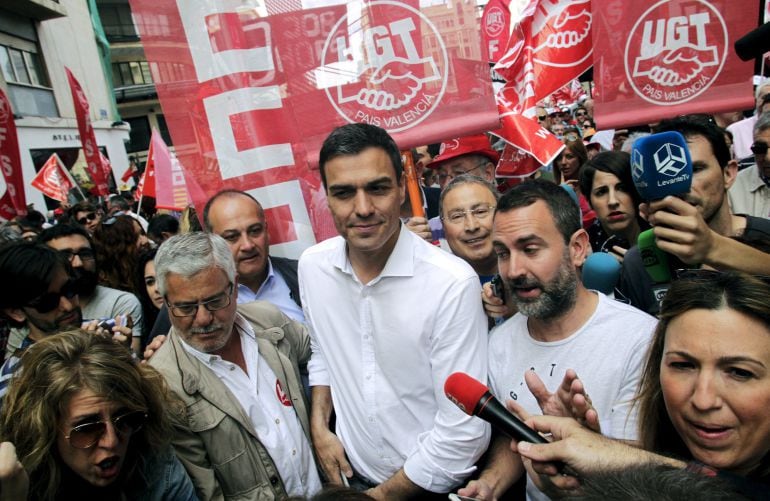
(495, 21)
(670, 159)
(670, 59)
(387, 66)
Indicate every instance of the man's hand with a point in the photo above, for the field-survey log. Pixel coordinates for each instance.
(14, 481)
(569, 400)
(495, 307)
(154, 345)
(478, 489)
(331, 456)
(419, 226)
(680, 229)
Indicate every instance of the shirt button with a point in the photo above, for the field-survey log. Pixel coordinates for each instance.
(277, 421)
(369, 376)
(232, 368)
(294, 452)
(274, 480)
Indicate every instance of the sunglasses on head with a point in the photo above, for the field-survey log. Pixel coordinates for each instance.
(759, 148)
(86, 435)
(88, 217)
(50, 300)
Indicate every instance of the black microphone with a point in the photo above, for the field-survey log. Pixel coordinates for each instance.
(475, 399)
(754, 43)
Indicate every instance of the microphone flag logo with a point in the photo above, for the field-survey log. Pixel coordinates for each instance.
(670, 159)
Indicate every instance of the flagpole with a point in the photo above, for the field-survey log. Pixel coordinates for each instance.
(69, 176)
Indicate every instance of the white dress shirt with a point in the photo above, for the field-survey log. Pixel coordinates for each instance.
(386, 348)
(260, 394)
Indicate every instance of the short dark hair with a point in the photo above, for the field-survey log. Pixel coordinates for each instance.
(161, 223)
(617, 163)
(565, 212)
(696, 125)
(26, 270)
(62, 230)
(82, 206)
(228, 193)
(352, 139)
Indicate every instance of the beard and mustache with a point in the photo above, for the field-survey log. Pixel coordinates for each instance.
(86, 281)
(556, 297)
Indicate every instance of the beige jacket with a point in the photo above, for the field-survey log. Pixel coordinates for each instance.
(216, 441)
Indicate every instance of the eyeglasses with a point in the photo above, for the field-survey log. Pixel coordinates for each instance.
(759, 148)
(88, 217)
(443, 177)
(217, 302)
(50, 300)
(581, 113)
(86, 435)
(84, 254)
(479, 213)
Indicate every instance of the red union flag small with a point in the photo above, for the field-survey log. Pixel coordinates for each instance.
(52, 179)
(495, 29)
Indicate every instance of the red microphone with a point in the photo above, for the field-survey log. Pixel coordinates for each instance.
(475, 399)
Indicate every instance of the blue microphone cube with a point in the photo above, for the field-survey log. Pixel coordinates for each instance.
(661, 165)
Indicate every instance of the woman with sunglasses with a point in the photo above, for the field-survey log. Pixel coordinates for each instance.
(704, 396)
(117, 242)
(83, 420)
(606, 181)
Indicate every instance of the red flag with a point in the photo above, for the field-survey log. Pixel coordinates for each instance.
(146, 186)
(255, 95)
(527, 135)
(170, 188)
(495, 29)
(52, 179)
(663, 59)
(129, 172)
(94, 163)
(12, 199)
(550, 46)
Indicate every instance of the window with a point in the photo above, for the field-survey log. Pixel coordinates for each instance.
(139, 137)
(163, 129)
(131, 73)
(117, 22)
(24, 72)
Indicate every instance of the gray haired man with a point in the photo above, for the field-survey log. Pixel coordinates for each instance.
(245, 430)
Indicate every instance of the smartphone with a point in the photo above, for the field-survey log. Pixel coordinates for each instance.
(108, 323)
(457, 497)
(498, 289)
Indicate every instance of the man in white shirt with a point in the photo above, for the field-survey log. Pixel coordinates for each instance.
(750, 193)
(560, 325)
(245, 432)
(391, 317)
(742, 130)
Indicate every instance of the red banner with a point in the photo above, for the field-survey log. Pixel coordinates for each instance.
(495, 29)
(550, 46)
(249, 97)
(12, 200)
(94, 164)
(146, 186)
(669, 58)
(170, 188)
(536, 146)
(52, 179)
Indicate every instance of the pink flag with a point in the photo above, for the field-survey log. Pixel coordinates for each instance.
(170, 188)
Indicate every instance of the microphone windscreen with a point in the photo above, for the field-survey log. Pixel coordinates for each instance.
(754, 43)
(661, 165)
(601, 272)
(464, 391)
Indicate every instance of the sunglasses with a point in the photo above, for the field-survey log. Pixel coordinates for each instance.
(580, 113)
(50, 300)
(84, 254)
(86, 435)
(88, 217)
(541, 118)
(759, 148)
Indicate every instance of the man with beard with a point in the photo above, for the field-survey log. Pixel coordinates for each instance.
(561, 330)
(697, 227)
(39, 298)
(96, 301)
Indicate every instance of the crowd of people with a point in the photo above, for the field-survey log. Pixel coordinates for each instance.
(177, 359)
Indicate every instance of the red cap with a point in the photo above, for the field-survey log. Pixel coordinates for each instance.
(464, 391)
(478, 144)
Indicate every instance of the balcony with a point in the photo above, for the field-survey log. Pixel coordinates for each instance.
(36, 9)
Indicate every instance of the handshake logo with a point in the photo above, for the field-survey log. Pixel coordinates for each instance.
(671, 59)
